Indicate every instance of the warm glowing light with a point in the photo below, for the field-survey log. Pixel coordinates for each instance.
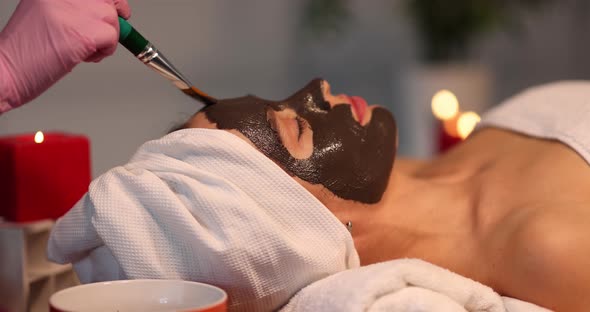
(39, 137)
(450, 126)
(466, 123)
(445, 105)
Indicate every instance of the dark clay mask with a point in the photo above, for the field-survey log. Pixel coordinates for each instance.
(352, 161)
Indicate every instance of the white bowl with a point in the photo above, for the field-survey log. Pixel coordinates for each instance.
(140, 295)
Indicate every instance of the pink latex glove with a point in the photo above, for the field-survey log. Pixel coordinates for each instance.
(45, 39)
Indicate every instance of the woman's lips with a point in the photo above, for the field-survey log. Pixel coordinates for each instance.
(359, 105)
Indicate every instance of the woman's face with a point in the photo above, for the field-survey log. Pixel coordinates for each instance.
(335, 141)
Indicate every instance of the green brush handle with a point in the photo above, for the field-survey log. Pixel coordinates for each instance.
(131, 38)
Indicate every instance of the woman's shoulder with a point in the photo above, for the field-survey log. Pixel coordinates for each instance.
(545, 259)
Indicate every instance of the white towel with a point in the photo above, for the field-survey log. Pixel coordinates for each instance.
(204, 205)
(559, 111)
(407, 285)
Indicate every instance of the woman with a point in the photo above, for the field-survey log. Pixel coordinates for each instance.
(500, 202)
(505, 209)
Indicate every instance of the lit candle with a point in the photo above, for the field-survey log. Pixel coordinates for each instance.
(42, 175)
(447, 134)
(445, 107)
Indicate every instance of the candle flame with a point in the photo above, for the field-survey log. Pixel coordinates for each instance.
(39, 137)
(444, 105)
(466, 123)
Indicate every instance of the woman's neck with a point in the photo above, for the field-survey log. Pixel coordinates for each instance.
(422, 217)
(432, 210)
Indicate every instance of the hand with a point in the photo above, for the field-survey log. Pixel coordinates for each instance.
(45, 39)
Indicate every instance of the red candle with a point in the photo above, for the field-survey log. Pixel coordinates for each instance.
(446, 140)
(42, 180)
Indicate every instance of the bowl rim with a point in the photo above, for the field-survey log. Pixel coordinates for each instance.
(218, 302)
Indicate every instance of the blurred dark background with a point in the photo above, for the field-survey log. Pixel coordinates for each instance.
(397, 53)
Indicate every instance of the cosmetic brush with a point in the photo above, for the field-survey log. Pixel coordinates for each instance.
(149, 55)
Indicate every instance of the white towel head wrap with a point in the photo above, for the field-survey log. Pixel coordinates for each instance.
(204, 205)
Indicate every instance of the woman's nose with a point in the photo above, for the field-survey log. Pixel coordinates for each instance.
(334, 99)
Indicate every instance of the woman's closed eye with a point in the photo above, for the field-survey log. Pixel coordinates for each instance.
(302, 126)
(293, 130)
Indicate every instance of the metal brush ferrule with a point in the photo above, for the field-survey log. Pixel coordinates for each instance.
(156, 60)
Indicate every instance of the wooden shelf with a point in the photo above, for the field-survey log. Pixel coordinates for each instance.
(50, 269)
(27, 278)
(29, 227)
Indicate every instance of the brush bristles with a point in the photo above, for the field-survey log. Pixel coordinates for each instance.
(200, 95)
